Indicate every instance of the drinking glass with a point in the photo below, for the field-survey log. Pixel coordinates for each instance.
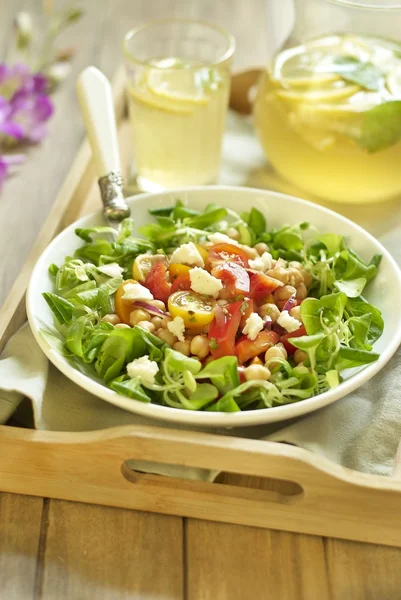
(178, 90)
(328, 106)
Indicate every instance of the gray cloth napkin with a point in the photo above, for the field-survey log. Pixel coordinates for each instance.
(361, 431)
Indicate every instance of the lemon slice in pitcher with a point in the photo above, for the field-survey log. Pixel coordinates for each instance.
(337, 92)
(393, 82)
(298, 67)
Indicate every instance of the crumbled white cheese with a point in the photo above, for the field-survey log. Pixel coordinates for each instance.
(253, 325)
(136, 291)
(204, 283)
(111, 270)
(187, 254)
(222, 238)
(177, 328)
(288, 322)
(143, 368)
(262, 263)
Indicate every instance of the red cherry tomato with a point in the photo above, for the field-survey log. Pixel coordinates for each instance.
(247, 349)
(262, 286)
(235, 279)
(182, 282)
(222, 253)
(156, 282)
(286, 339)
(223, 329)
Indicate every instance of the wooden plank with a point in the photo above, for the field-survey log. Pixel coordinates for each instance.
(20, 524)
(95, 552)
(234, 562)
(363, 571)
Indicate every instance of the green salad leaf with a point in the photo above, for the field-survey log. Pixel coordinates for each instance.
(341, 326)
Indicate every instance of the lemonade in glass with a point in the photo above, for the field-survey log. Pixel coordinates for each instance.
(178, 88)
(328, 115)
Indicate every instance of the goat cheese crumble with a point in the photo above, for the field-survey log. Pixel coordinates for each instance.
(288, 322)
(143, 368)
(187, 254)
(204, 283)
(253, 326)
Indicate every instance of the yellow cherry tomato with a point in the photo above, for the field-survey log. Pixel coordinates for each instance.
(143, 263)
(196, 310)
(177, 269)
(123, 307)
(203, 252)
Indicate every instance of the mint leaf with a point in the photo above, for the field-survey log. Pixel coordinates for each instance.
(365, 74)
(381, 126)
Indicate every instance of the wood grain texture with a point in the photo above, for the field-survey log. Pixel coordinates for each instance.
(20, 522)
(105, 553)
(230, 562)
(363, 572)
(87, 552)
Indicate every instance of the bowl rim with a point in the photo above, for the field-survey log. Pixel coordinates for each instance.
(201, 418)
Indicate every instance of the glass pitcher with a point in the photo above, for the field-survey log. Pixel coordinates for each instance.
(328, 107)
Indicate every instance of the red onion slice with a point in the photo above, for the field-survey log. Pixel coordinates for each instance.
(268, 323)
(278, 329)
(153, 310)
(291, 302)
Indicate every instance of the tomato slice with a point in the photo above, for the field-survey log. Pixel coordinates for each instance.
(235, 279)
(223, 329)
(285, 339)
(262, 286)
(246, 311)
(222, 253)
(143, 263)
(247, 349)
(156, 282)
(182, 282)
(122, 307)
(196, 310)
(177, 269)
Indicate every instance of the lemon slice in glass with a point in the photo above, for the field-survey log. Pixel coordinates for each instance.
(178, 85)
(173, 87)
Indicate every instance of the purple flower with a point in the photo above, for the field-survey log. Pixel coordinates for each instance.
(7, 162)
(13, 78)
(24, 105)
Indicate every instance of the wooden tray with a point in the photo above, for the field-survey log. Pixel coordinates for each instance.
(308, 494)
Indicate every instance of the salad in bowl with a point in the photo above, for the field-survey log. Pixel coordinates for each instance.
(214, 310)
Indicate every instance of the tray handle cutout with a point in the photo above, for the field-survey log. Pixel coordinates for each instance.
(284, 492)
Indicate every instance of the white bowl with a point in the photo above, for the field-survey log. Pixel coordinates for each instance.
(279, 209)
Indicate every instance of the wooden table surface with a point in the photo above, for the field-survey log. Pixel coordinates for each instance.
(52, 549)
